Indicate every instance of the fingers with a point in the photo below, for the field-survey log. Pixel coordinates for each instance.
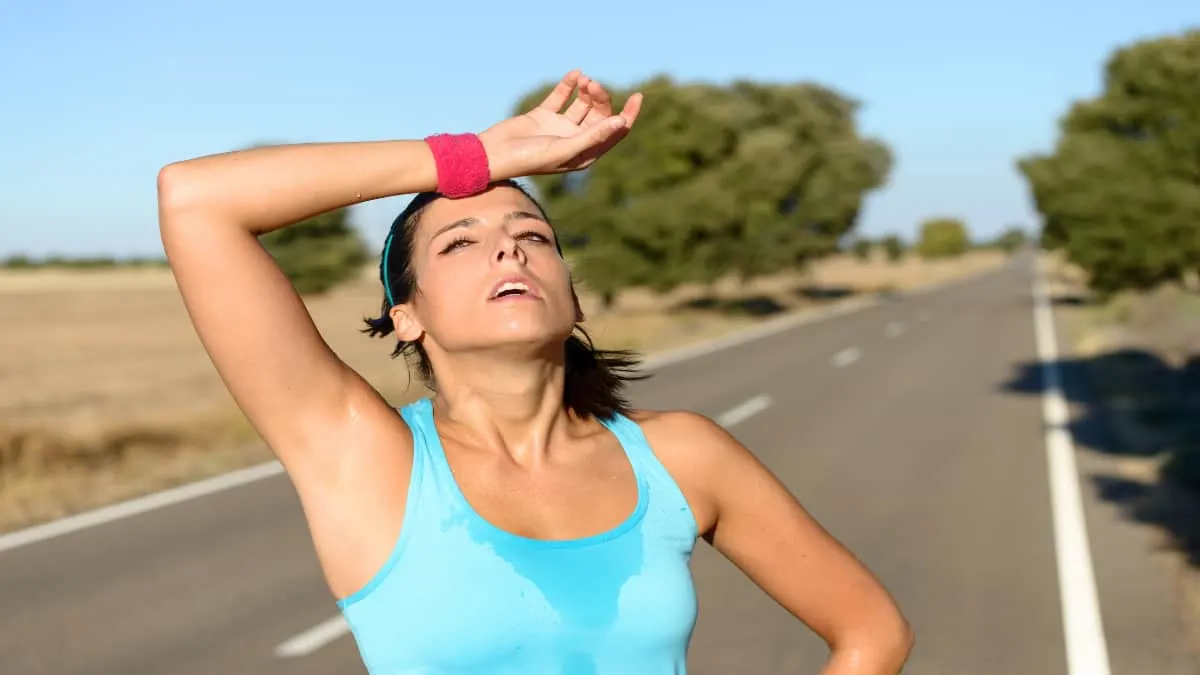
(582, 104)
(601, 104)
(594, 140)
(633, 107)
(558, 96)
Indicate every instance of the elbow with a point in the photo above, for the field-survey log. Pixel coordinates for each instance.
(879, 650)
(174, 187)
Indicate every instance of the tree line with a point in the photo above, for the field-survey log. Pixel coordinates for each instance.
(753, 178)
(744, 179)
(1119, 194)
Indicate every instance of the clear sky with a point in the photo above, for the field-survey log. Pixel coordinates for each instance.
(98, 95)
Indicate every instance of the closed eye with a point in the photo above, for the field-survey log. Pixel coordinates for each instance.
(536, 236)
(457, 243)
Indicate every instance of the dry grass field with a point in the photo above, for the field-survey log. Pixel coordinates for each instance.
(105, 392)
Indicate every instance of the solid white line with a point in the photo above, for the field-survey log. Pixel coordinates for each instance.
(313, 639)
(744, 411)
(209, 486)
(138, 505)
(1087, 652)
(846, 357)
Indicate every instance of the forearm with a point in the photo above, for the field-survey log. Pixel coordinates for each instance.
(264, 189)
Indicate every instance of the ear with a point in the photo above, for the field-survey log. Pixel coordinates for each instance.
(408, 328)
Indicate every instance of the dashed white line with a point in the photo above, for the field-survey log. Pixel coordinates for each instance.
(313, 639)
(744, 411)
(894, 329)
(1087, 651)
(846, 357)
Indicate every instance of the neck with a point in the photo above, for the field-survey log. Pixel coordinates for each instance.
(513, 406)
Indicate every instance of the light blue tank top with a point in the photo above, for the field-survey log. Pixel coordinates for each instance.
(459, 595)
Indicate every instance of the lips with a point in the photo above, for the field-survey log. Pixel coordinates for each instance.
(513, 287)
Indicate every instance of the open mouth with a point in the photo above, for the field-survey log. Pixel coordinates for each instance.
(512, 289)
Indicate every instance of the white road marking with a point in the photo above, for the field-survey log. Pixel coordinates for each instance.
(846, 357)
(894, 329)
(139, 505)
(313, 639)
(215, 484)
(744, 411)
(1087, 651)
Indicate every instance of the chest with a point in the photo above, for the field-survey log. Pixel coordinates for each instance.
(473, 603)
(580, 495)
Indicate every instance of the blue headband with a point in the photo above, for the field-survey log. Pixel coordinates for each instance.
(383, 275)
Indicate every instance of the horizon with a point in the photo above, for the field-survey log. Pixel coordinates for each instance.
(106, 98)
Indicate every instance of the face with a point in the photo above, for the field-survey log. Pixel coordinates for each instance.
(488, 275)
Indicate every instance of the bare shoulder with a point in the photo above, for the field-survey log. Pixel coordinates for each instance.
(697, 452)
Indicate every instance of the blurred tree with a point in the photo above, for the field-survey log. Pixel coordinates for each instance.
(862, 249)
(1120, 194)
(747, 179)
(893, 247)
(943, 238)
(319, 253)
(1011, 240)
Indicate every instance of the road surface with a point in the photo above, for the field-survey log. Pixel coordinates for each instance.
(893, 424)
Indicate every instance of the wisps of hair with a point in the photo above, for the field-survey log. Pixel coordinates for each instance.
(595, 378)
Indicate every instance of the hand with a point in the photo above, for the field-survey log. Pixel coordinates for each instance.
(545, 140)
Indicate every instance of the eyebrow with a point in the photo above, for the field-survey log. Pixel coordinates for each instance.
(471, 220)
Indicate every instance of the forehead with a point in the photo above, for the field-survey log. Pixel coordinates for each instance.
(495, 203)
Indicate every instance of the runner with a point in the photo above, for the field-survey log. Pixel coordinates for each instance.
(524, 518)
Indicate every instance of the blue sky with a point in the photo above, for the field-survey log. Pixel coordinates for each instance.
(99, 95)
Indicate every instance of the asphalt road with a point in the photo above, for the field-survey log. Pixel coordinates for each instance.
(896, 425)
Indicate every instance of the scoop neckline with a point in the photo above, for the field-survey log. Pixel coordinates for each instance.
(494, 530)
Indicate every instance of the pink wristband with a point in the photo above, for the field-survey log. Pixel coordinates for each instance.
(462, 164)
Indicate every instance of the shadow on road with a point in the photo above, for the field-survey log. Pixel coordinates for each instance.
(763, 305)
(1133, 405)
(755, 305)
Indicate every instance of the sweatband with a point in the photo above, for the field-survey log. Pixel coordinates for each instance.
(462, 164)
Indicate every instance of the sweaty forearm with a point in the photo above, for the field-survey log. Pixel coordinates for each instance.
(264, 189)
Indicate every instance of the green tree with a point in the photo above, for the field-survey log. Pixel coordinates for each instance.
(943, 238)
(893, 247)
(319, 253)
(862, 249)
(747, 179)
(1011, 240)
(1120, 193)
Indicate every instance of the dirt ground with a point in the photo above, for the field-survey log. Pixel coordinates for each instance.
(106, 393)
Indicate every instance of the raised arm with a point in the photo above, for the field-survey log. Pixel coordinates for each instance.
(296, 392)
(257, 331)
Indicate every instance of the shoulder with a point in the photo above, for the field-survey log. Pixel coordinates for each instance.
(701, 456)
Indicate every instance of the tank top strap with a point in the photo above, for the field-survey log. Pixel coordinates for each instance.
(439, 479)
(668, 505)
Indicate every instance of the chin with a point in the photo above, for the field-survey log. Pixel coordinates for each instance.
(525, 337)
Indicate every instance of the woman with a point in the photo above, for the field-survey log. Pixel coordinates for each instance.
(524, 519)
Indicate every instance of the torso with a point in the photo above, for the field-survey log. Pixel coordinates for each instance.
(563, 549)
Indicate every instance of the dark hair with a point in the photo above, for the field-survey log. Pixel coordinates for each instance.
(595, 377)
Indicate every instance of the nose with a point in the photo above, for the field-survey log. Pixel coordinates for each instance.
(509, 248)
